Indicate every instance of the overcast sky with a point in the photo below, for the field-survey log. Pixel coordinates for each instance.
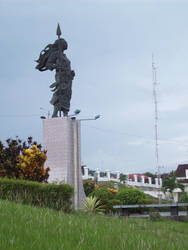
(110, 45)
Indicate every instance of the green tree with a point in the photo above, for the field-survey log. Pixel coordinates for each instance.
(123, 178)
(170, 183)
(149, 174)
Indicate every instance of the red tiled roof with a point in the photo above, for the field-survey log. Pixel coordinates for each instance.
(183, 181)
(131, 176)
(180, 171)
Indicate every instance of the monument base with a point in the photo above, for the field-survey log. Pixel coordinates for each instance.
(62, 141)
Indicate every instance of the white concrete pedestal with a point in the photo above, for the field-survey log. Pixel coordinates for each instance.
(61, 139)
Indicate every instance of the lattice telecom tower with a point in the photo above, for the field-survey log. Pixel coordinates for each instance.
(154, 79)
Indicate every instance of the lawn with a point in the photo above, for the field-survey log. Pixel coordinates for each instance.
(25, 227)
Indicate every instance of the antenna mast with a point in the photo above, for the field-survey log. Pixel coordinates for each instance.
(154, 79)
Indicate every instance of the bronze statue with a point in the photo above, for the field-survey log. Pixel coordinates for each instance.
(53, 57)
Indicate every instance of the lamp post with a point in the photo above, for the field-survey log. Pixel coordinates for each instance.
(48, 113)
(91, 119)
(76, 153)
(76, 112)
(76, 127)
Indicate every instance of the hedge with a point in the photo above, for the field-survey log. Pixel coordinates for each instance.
(131, 196)
(126, 196)
(38, 194)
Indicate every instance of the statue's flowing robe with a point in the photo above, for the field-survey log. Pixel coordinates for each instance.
(64, 76)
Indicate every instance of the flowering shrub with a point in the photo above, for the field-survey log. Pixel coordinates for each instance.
(113, 191)
(109, 197)
(127, 196)
(105, 197)
(31, 164)
(96, 187)
(23, 160)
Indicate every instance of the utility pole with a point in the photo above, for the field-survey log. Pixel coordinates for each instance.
(154, 80)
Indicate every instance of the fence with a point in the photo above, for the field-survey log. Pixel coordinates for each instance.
(115, 176)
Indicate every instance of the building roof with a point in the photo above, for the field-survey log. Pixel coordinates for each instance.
(183, 181)
(131, 176)
(180, 171)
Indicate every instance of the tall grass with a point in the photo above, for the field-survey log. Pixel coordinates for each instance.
(25, 227)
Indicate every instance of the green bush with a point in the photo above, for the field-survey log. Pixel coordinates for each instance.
(112, 203)
(184, 197)
(126, 196)
(102, 194)
(89, 186)
(131, 196)
(155, 216)
(38, 194)
(107, 199)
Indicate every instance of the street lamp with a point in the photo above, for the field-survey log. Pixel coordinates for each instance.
(76, 112)
(76, 154)
(42, 117)
(90, 119)
(48, 113)
(97, 117)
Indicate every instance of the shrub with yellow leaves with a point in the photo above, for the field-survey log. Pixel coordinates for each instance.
(23, 160)
(31, 165)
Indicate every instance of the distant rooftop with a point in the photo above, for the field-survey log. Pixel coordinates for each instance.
(180, 171)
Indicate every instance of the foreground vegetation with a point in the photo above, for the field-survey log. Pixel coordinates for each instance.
(37, 194)
(25, 227)
(108, 196)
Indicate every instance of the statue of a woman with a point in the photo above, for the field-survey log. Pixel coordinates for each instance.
(53, 57)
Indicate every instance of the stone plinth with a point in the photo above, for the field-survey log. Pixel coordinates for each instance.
(61, 139)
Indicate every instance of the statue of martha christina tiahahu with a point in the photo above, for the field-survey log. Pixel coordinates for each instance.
(53, 57)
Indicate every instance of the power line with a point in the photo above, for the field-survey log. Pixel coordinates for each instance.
(148, 140)
(10, 116)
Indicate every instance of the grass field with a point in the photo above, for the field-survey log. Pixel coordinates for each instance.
(25, 227)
